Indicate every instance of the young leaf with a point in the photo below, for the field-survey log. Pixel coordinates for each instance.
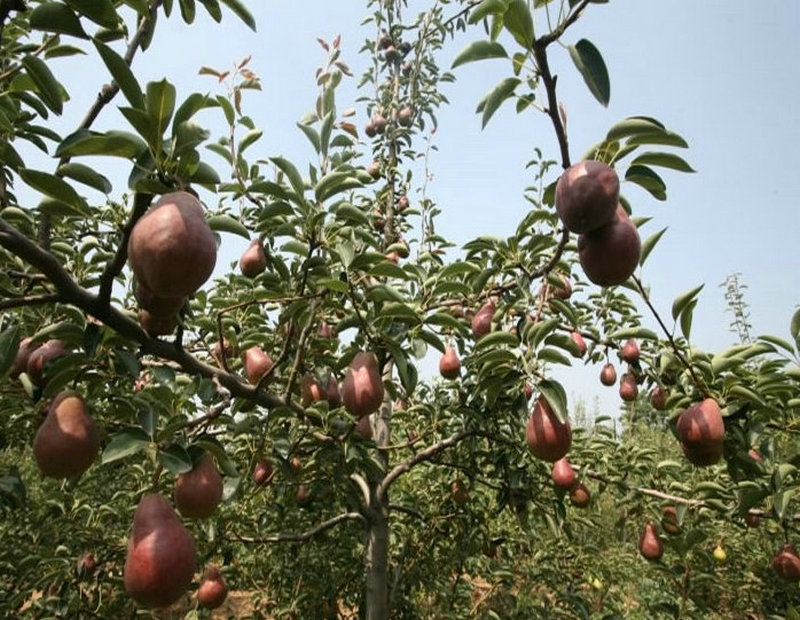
(519, 22)
(479, 50)
(160, 103)
(590, 64)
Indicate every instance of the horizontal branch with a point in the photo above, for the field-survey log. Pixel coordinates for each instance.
(305, 536)
(31, 300)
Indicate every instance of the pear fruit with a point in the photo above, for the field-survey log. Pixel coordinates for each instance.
(786, 563)
(161, 556)
(650, 545)
(155, 305)
(608, 375)
(256, 364)
(198, 492)
(222, 350)
(563, 475)
(459, 492)
(23, 354)
(254, 259)
(364, 427)
(701, 432)
(332, 393)
(311, 390)
(587, 194)
(362, 388)
(752, 520)
(610, 254)
(577, 338)
(669, 520)
(449, 364)
(379, 122)
(405, 116)
(212, 591)
(547, 438)
(658, 398)
(628, 389)
(374, 170)
(562, 290)
(172, 250)
(579, 495)
(753, 454)
(43, 355)
(326, 332)
(719, 554)
(156, 326)
(67, 442)
(630, 351)
(263, 472)
(482, 321)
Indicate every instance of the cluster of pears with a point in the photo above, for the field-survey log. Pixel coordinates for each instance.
(587, 201)
(172, 253)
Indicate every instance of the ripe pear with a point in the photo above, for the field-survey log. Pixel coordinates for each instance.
(370, 129)
(658, 398)
(610, 254)
(24, 351)
(220, 350)
(263, 472)
(405, 116)
(311, 390)
(212, 591)
(161, 556)
(482, 321)
(547, 438)
(449, 364)
(630, 351)
(650, 545)
(563, 475)
(608, 375)
(256, 364)
(374, 170)
(172, 250)
(379, 121)
(332, 392)
(628, 389)
(155, 305)
(586, 196)
(254, 259)
(43, 355)
(156, 326)
(296, 464)
(701, 432)
(67, 442)
(577, 338)
(580, 496)
(786, 563)
(198, 492)
(364, 427)
(402, 204)
(362, 389)
(669, 520)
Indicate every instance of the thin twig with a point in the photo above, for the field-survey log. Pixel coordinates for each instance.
(33, 300)
(305, 536)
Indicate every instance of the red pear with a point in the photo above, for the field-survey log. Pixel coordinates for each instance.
(157, 325)
(702, 432)
(364, 427)
(26, 347)
(172, 250)
(362, 389)
(658, 398)
(43, 355)
(580, 496)
(547, 438)
(577, 338)
(650, 545)
(787, 564)
(198, 492)
(628, 389)
(754, 455)
(155, 305)
(256, 364)
(161, 556)
(302, 494)
(263, 472)
(449, 364)
(608, 375)
(224, 349)
(374, 169)
(332, 392)
(586, 196)
(610, 254)
(212, 591)
(669, 520)
(311, 390)
(67, 442)
(254, 259)
(482, 321)
(326, 331)
(563, 475)
(630, 351)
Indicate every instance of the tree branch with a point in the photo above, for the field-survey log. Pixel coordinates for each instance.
(33, 300)
(305, 536)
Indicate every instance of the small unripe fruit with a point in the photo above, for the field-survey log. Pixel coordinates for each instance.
(650, 545)
(580, 496)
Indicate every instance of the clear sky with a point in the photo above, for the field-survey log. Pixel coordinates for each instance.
(725, 74)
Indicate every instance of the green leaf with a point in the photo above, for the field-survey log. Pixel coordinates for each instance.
(683, 300)
(487, 8)
(794, 326)
(53, 186)
(47, 86)
(145, 126)
(125, 443)
(335, 183)
(122, 75)
(205, 175)
(779, 342)
(160, 103)
(649, 243)
(213, 8)
(590, 64)
(191, 106)
(664, 160)
(686, 318)
(187, 10)
(642, 333)
(175, 459)
(58, 18)
(60, 51)
(9, 344)
(241, 12)
(226, 223)
(644, 177)
(479, 50)
(556, 397)
(101, 12)
(86, 175)
(634, 125)
(492, 101)
(249, 138)
(519, 22)
(112, 143)
(295, 180)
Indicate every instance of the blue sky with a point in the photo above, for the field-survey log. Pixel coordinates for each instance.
(725, 74)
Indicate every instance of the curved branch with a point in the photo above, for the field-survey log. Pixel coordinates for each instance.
(362, 484)
(425, 455)
(305, 536)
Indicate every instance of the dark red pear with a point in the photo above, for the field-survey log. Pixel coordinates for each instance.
(254, 259)
(658, 398)
(157, 306)
(161, 557)
(364, 427)
(547, 437)
(563, 475)
(67, 442)
(24, 351)
(405, 116)
(311, 390)
(628, 389)
(630, 351)
(212, 591)
(263, 472)
(449, 364)
(302, 495)
(650, 545)
(586, 196)
(701, 432)
(256, 364)
(482, 321)
(43, 355)
(669, 520)
(610, 254)
(579, 495)
(786, 563)
(752, 520)
(608, 375)
(577, 338)
(332, 393)
(198, 492)
(157, 325)
(362, 389)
